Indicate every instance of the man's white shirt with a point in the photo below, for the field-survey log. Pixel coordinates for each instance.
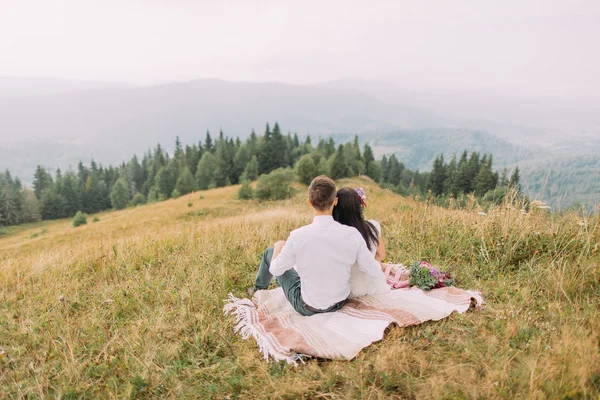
(323, 253)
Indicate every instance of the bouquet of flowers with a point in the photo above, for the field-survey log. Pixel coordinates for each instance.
(427, 277)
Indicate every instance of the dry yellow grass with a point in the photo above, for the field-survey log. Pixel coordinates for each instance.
(131, 306)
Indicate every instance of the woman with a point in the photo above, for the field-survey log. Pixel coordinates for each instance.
(349, 211)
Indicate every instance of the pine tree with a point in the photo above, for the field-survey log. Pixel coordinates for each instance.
(205, 171)
(9, 208)
(330, 148)
(185, 183)
(252, 143)
(160, 160)
(279, 149)
(306, 169)
(119, 195)
(82, 174)
(70, 192)
(462, 175)
(208, 143)
(41, 181)
(224, 160)
(395, 168)
(266, 154)
(166, 179)
(484, 180)
(220, 179)
(504, 178)
(451, 185)
(192, 156)
(251, 170)
(515, 178)
(339, 165)
(372, 168)
(368, 155)
(354, 158)
(31, 207)
(53, 205)
(356, 148)
(385, 172)
(323, 167)
(136, 174)
(473, 169)
(240, 160)
(437, 176)
(178, 149)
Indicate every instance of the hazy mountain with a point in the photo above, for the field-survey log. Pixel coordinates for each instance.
(187, 109)
(25, 87)
(547, 121)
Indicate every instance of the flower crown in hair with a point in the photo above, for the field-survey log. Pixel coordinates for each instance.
(363, 197)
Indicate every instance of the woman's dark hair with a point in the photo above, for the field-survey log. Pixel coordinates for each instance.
(348, 211)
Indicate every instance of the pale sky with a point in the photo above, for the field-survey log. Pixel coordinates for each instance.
(544, 46)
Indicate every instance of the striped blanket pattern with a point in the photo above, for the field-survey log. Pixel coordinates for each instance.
(283, 334)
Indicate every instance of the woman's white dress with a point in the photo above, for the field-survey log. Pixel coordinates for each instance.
(362, 284)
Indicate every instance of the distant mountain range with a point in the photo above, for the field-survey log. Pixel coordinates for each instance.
(12, 87)
(57, 122)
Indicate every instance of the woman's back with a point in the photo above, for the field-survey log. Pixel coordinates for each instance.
(362, 284)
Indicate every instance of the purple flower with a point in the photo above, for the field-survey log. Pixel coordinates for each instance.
(363, 197)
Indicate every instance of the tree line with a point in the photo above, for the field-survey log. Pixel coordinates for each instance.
(226, 161)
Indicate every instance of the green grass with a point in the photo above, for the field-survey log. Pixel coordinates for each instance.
(132, 307)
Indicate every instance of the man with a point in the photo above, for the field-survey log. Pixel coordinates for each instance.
(323, 253)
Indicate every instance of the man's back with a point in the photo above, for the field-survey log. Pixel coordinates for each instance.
(323, 253)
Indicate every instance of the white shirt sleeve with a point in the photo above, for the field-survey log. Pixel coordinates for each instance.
(365, 260)
(285, 260)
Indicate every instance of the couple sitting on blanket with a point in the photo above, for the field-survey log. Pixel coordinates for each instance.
(337, 256)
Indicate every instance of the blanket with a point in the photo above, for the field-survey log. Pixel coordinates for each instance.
(283, 334)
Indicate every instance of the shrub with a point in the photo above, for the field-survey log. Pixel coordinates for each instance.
(119, 195)
(79, 219)
(138, 199)
(245, 192)
(275, 186)
(152, 195)
(496, 196)
(190, 204)
(3, 230)
(306, 169)
(95, 219)
(34, 235)
(175, 194)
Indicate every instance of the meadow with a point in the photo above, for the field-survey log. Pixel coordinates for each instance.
(130, 306)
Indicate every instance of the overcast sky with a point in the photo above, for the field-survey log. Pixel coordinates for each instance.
(545, 46)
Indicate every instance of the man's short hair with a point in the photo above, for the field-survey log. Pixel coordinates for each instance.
(322, 193)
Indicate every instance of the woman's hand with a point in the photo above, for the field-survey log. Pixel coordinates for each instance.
(383, 266)
(277, 248)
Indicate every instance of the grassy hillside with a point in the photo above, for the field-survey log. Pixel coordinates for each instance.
(131, 306)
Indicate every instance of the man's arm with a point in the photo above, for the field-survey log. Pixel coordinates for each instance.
(365, 260)
(284, 257)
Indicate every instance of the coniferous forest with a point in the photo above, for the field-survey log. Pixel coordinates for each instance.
(223, 161)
